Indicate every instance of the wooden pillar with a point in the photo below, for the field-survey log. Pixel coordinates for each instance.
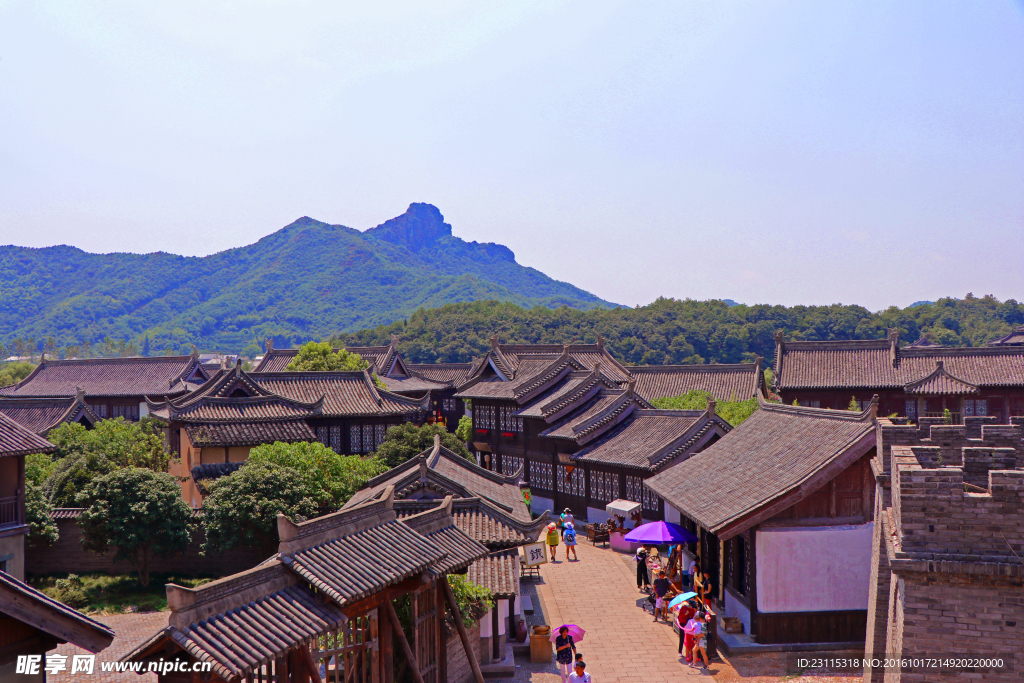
(387, 653)
(410, 656)
(442, 641)
(752, 588)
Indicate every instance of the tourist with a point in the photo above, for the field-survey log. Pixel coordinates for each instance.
(567, 518)
(552, 540)
(686, 613)
(564, 650)
(661, 589)
(703, 586)
(700, 641)
(690, 572)
(569, 537)
(580, 674)
(642, 581)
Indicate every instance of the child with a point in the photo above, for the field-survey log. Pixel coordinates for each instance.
(700, 641)
(552, 540)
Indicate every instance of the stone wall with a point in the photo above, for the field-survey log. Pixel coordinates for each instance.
(459, 670)
(67, 556)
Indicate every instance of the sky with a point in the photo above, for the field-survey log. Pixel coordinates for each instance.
(767, 152)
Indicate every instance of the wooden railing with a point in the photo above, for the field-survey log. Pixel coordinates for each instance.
(10, 511)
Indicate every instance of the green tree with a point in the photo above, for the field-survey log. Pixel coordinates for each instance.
(126, 444)
(242, 507)
(465, 428)
(330, 479)
(853, 405)
(473, 600)
(72, 475)
(38, 468)
(138, 511)
(406, 440)
(12, 373)
(42, 530)
(320, 357)
(733, 412)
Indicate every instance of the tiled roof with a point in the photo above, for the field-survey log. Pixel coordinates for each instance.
(732, 382)
(345, 393)
(380, 358)
(572, 427)
(445, 472)
(29, 606)
(530, 372)
(40, 415)
(452, 374)
(151, 376)
(940, 382)
(498, 573)
(876, 364)
(58, 514)
(649, 439)
(1014, 338)
(778, 450)
(564, 394)
(411, 384)
(242, 409)
(249, 433)
(17, 440)
(437, 525)
(481, 521)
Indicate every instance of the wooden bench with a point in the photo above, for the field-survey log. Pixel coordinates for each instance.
(526, 571)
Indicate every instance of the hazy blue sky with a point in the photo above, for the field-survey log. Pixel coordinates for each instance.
(793, 152)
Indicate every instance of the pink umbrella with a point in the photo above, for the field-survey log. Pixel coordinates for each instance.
(575, 631)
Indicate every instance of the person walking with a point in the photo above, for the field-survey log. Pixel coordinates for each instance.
(686, 613)
(661, 590)
(552, 540)
(580, 675)
(643, 581)
(564, 650)
(569, 538)
(700, 641)
(566, 518)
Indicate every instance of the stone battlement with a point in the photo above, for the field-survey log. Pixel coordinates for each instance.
(978, 432)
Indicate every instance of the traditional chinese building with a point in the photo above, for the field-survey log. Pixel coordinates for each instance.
(913, 381)
(214, 428)
(783, 509)
(488, 507)
(40, 415)
(946, 572)
(113, 387)
(323, 607)
(724, 381)
(15, 443)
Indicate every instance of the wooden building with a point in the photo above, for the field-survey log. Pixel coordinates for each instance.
(572, 420)
(15, 443)
(32, 623)
(322, 609)
(40, 415)
(913, 381)
(113, 387)
(219, 423)
(783, 509)
(488, 507)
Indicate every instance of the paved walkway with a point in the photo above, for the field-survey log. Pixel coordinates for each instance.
(130, 630)
(622, 642)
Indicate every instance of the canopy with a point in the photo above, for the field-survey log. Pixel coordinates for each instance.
(660, 532)
(622, 508)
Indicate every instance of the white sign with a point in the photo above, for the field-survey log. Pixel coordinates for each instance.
(535, 554)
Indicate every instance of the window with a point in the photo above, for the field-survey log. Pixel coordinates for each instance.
(638, 493)
(507, 420)
(355, 439)
(811, 403)
(127, 412)
(364, 438)
(975, 407)
(448, 405)
(485, 417)
(540, 475)
(571, 481)
(99, 408)
(510, 464)
(335, 443)
(910, 408)
(604, 486)
(323, 435)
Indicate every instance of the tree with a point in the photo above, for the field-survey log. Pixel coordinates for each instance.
(126, 444)
(406, 440)
(464, 431)
(140, 512)
(38, 468)
(733, 412)
(330, 479)
(320, 357)
(72, 475)
(242, 507)
(12, 373)
(42, 530)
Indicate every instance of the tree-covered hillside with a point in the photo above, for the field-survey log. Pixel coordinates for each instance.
(306, 281)
(672, 331)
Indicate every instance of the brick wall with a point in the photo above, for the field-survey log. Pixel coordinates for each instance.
(878, 599)
(459, 670)
(67, 556)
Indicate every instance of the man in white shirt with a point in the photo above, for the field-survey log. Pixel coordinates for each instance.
(580, 675)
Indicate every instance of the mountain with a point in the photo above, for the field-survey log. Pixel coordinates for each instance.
(307, 280)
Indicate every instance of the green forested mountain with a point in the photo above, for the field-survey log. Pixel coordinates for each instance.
(672, 331)
(305, 281)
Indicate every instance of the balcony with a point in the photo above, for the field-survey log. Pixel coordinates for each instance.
(11, 512)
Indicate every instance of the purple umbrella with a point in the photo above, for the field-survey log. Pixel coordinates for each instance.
(659, 533)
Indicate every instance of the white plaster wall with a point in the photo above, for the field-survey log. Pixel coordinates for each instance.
(485, 623)
(813, 569)
(143, 410)
(735, 608)
(539, 504)
(502, 616)
(672, 515)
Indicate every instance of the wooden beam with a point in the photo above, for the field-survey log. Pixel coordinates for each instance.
(410, 657)
(463, 636)
(311, 667)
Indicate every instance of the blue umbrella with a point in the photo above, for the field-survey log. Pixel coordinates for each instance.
(682, 597)
(660, 533)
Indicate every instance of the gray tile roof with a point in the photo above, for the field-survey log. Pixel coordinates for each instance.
(249, 433)
(481, 521)
(150, 376)
(776, 451)
(498, 573)
(40, 415)
(16, 440)
(726, 382)
(25, 604)
(649, 439)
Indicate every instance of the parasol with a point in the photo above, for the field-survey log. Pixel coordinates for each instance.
(659, 533)
(682, 597)
(575, 631)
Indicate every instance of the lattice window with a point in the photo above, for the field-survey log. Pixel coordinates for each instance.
(510, 464)
(448, 404)
(975, 406)
(604, 486)
(910, 408)
(336, 444)
(540, 475)
(743, 559)
(99, 408)
(323, 435)
(379, 432)
(571, 482)
(368, 444)
(638, 493)
(355, 439)
(811, 403)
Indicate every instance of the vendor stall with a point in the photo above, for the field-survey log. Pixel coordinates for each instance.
(619, 511)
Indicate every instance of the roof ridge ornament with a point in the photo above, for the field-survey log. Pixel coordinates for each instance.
(494, 342)
(195, 353)
(269, 344)
(600, 341)
(80, 394)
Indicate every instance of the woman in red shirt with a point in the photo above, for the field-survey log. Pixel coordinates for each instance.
(686, 612)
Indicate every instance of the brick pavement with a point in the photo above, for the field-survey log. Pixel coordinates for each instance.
(129, 631)
(622, 642)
